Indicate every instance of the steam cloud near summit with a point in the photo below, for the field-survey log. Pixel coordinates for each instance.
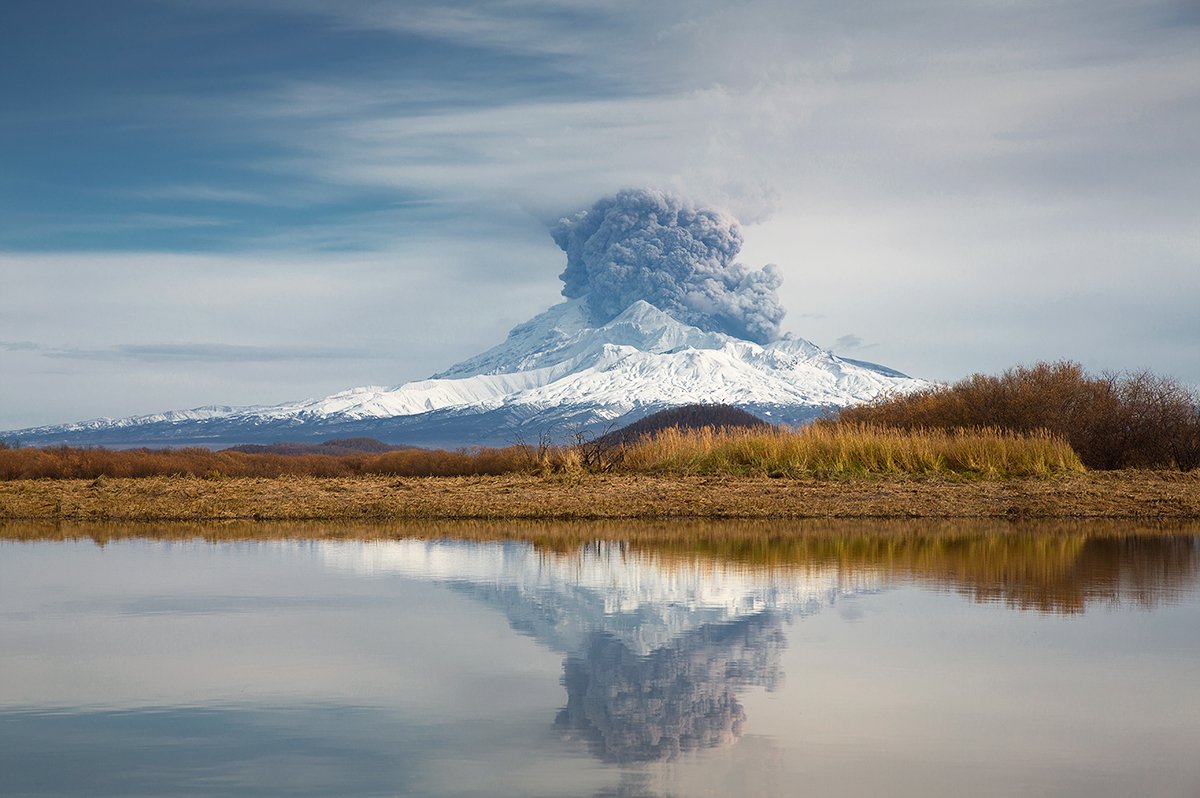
(679, 257)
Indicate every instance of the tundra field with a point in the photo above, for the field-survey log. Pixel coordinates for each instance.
(1043, 442)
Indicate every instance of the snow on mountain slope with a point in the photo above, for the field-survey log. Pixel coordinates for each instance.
(555, 366)
(642, 357)
(562, 334)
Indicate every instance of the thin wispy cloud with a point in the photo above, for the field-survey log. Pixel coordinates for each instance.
(19, 346)
(207, 194)
(849, 342)
(186, 352)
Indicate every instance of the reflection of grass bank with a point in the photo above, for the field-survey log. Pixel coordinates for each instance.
(1051, 566)
(1128, 494)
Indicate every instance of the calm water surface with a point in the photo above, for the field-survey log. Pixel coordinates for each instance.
(860, 660)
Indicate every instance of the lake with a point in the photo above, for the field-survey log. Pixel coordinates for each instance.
(686, 659)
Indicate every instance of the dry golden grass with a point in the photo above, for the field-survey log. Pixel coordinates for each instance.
(1129, 494)
(850, 450)
(63, 462)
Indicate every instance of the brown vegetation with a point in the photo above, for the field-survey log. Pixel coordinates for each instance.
(1138, 420)
(850, 450)
(839, 450)
(1125, 494)
(63, 462)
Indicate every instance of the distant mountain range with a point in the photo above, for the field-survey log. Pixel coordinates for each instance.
(554, 374)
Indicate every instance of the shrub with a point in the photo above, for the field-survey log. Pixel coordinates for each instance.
(1137, 420)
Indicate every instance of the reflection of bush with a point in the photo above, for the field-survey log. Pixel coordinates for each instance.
(675, 699)
(1068, 575)
(1055, 569)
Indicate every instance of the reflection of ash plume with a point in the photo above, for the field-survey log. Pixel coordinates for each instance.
(678, 698)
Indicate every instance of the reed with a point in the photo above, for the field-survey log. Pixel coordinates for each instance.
(834, 450)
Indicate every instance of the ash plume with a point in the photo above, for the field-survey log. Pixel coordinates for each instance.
(678, 256)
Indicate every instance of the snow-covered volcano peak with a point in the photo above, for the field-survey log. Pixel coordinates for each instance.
(562, 334)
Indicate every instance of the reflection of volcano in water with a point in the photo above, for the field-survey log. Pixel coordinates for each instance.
(656, 652)
(677, 698)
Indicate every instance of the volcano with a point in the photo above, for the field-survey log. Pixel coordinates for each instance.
(556, 374)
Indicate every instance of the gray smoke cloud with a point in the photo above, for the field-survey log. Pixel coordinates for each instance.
(678, 256)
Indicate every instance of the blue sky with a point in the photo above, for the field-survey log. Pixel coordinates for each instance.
(209, 201)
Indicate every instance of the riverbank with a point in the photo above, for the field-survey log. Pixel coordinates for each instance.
(1116, 495)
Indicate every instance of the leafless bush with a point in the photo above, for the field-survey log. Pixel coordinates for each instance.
(1134, 420)
(599, 453)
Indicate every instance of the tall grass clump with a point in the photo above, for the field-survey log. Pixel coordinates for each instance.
(851, 450)
(1137, 420)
